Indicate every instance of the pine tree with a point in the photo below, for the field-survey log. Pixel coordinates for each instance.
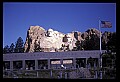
(19, 47)
(12, 47)
(111, 44)
(6, 49)
(78, 45)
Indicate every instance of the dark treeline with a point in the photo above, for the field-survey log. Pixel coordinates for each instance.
(92, 42)
(18, 47)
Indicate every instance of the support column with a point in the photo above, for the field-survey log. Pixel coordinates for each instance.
(37, 74)
(11, 65)
(23, 64)
(65, 75)
(95, 76)
(86, 63)
(51, 73)
(36, 64)
(48, 63)
(61, 61)
(61, 74)
(95, 64)
(74, 62)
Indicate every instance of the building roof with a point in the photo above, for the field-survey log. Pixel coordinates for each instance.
(52, 55)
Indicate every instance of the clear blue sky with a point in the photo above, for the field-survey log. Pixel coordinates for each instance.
(63, 17)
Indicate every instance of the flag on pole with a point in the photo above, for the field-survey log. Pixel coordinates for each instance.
(106, 24)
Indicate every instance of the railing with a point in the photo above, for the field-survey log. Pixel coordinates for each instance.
(72, 73)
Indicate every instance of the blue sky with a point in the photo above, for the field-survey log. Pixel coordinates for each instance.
(63, 17)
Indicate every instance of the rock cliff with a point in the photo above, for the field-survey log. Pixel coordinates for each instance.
(51, 40)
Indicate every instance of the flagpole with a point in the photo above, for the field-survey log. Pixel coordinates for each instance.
(100, 50)
(100, 35)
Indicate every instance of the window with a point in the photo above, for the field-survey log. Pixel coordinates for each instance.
(67, 61)
(55, 62)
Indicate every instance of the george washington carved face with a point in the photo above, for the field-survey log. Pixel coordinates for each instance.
(50, 32)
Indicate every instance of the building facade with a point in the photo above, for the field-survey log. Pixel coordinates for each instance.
(51, 60)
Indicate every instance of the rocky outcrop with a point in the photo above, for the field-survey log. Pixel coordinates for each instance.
(51, 40)
(34, 33)
(106, 36)
(90, 32)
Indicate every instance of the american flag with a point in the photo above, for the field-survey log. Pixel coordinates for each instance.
(106, 24)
